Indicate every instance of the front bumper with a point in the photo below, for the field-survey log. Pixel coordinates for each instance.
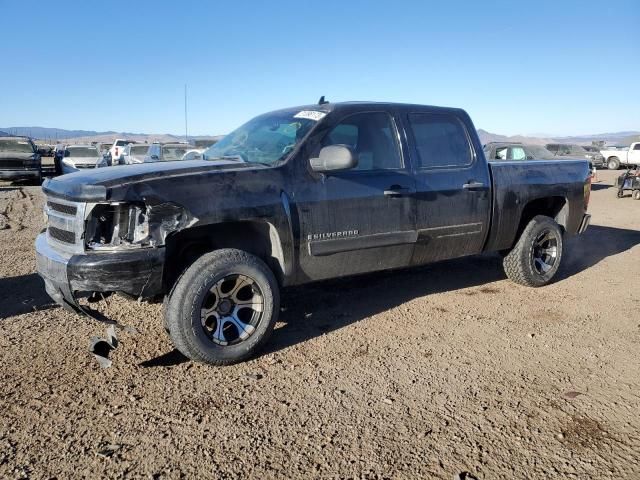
(586, 220)
(135, 272)
(26, 174)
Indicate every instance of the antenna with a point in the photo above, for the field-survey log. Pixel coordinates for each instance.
(186, 130)
(322, 101)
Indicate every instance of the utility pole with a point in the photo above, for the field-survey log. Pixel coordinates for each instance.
(186, 130)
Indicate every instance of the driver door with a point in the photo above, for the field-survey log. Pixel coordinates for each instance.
(362, 219)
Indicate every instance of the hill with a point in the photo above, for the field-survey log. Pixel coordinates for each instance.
(86, 136)
(614, 138)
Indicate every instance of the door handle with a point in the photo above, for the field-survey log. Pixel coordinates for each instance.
(397, 191)
(472, 185)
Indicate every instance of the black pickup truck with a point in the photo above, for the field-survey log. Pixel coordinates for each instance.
(19, 159)
(299, 195)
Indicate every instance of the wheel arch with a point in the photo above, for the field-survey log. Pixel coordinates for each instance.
(257, 237)
(556, 207)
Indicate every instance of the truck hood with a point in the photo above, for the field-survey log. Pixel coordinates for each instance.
(99, 184)
(83, 160)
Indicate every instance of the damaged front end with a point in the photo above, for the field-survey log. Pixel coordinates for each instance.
(120, 226)
(103, 247)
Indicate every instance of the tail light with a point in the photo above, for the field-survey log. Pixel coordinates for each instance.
(587, 191)
(116, 151)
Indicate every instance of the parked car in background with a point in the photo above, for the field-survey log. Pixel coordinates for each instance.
(135, 153)
(80, 157)
(193, 154)
(576, 151)
(299, 195)
(628, 157)
(513, 151)
(518, 151)
(45, 150)
(117, 149)
(19, 159)
(167, 152)
(203, 144)
(104, 149)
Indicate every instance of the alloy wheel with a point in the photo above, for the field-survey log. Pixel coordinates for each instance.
(232, 309)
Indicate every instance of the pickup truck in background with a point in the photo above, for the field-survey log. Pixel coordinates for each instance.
(295, 196)
(134, 153)
(571, 150)
(615, 158)
(19, 159)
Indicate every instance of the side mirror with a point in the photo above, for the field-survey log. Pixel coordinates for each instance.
(334, 158)
(154, 157)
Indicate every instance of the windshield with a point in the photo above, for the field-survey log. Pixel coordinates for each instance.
(139, 150)
(17, 145)
(540, 153)
(174, 152)
(266, 139)
(82, 152)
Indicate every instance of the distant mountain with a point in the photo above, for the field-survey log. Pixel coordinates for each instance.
(607, 137)
(87, 136)
(82, 136)
(615, 138)
(629, 140)
(486, 137)
(52, 133)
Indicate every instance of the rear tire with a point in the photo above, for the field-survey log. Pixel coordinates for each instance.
(535, 258)
(223, 308)
(613, 163)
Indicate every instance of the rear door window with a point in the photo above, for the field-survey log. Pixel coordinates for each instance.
(440, 140)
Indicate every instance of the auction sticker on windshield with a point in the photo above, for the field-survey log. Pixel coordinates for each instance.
(310, 115)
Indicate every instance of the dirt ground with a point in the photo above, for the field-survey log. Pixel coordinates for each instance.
(423, 373)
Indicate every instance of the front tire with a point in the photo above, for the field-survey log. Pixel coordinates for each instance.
(223, 308)
(613, 163)
(535, 258)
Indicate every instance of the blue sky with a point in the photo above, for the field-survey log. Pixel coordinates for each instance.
(554, 67)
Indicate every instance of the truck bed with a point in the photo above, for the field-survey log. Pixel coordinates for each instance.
(519, 183)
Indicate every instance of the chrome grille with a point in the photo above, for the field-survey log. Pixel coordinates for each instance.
(62, 208)
(65, 225)
(62, 235)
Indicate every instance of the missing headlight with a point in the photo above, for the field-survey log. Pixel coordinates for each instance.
(117, 225)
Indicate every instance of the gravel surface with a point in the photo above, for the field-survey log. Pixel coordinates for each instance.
(424, 373)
